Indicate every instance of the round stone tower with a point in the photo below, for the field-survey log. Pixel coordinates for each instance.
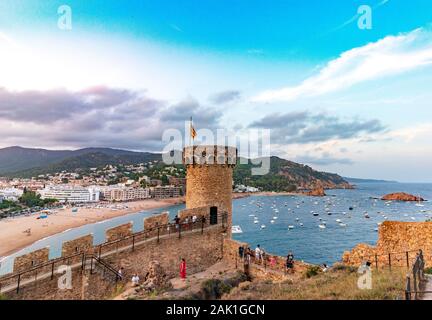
(209, 179)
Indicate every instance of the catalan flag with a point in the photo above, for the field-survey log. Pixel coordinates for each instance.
(192, 130)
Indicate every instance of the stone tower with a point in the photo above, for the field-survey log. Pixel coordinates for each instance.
(209, 179)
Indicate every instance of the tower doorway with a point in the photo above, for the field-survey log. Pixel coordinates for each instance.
(213, 215)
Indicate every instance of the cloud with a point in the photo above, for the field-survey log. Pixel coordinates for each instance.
(225, 96)
(389, 56)
(304, 127)
(96, 116)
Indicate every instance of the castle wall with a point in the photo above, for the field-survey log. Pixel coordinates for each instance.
(156, 220)
(396, 238)
(119, 232)
(199, 212)
(31, 259)
(168, 251)
(79, 245)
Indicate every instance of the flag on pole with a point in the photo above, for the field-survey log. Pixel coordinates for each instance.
(192, 130)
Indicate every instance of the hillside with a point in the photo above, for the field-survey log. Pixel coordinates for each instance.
(284, 175)
(357, 180)
(24, 162)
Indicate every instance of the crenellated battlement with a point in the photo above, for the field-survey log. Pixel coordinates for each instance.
(210, 155)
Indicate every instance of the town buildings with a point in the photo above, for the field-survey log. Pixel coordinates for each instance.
(119, 193)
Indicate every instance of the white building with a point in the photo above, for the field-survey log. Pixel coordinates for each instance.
(72, 194)
(11, 194)
(243, 188)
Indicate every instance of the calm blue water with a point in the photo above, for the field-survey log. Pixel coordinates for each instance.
(308, 243)
(315, 245)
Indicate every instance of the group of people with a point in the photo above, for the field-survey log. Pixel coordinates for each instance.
(260, 257)
(187, 222)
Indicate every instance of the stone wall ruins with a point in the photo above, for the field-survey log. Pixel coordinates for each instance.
(401, 240)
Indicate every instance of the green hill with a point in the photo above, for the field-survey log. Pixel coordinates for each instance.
(284, 175)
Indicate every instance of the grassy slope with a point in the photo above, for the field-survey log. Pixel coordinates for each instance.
(334, 285)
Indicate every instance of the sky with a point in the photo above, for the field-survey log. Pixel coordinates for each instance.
(335, 96)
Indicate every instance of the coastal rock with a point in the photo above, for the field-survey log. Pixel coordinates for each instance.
(401, 196)
(317, 192)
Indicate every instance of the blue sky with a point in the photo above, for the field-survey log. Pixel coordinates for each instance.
(355, 102)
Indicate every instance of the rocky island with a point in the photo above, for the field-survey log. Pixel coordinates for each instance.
(401, 196)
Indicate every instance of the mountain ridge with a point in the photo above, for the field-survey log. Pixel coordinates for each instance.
(284, 175)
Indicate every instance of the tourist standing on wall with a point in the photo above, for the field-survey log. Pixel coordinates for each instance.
(290, 263)
(120, 272)
(241, 252)
(183, 269)
(176, 221)
(258, 253)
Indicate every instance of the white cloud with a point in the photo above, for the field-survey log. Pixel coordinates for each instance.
(388, 56)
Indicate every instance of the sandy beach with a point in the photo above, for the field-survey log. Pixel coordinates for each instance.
(14, 238)
(12, 230)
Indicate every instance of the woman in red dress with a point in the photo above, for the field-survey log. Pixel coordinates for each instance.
(183, 269)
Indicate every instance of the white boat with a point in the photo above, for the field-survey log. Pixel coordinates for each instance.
(263, 226)
(272, 221)
(301, 224)
(342, 224)
(290, 227)
(256, 221)
(297, 219)
(419, 204)
(338, 220)
(236, 229)
(275, 218)
(322, 226)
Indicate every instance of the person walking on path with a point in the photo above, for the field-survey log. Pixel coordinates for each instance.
(183, 269)
(258, 254)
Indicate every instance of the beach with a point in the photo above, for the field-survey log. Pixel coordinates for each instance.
(13, 236)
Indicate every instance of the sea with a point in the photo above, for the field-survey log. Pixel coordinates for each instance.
(315, 229)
